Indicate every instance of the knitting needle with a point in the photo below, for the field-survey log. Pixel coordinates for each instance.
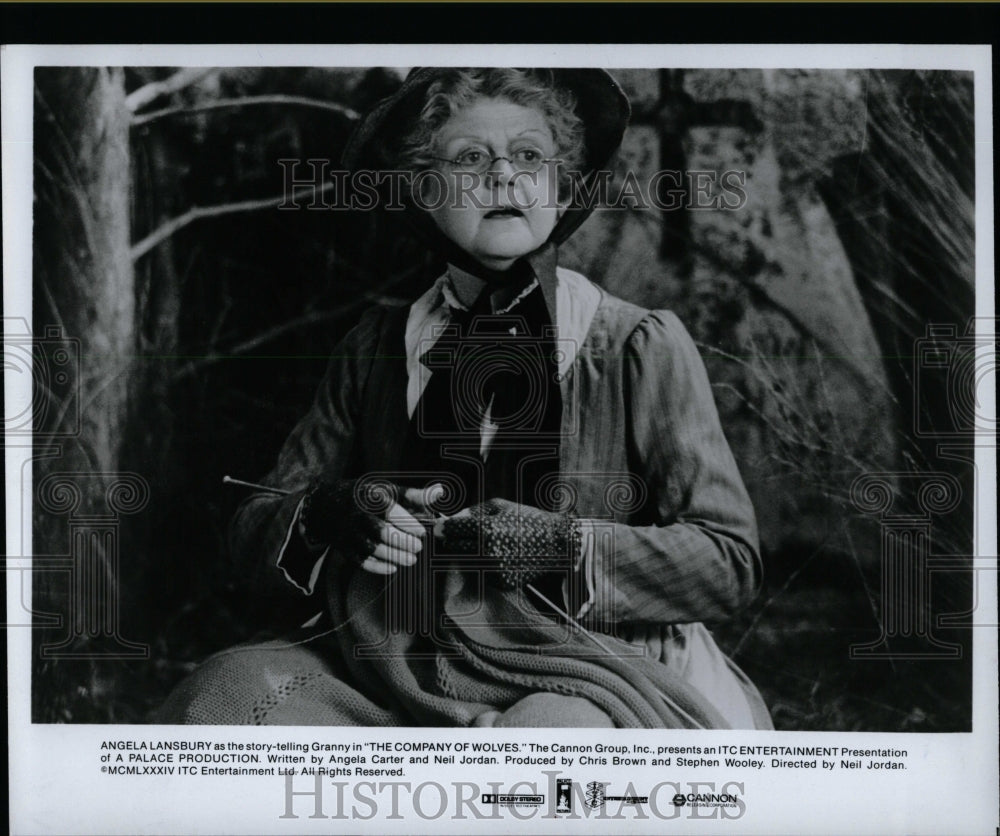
(573, 622)
(229, 480)
(431, 495)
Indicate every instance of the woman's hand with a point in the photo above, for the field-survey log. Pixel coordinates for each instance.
(371, 523)
(520, 541)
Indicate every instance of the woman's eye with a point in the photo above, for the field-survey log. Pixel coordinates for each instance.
(528, 155)
(471, 157)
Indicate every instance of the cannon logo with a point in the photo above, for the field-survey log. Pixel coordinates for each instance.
(706, 799)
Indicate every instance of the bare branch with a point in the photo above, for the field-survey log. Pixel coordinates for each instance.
(278, 99)
(149, 93)
(195, 213)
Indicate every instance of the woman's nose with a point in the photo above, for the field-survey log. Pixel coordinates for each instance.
(500, 171)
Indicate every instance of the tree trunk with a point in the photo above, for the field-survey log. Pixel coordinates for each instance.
(84, 294)
(83, 271)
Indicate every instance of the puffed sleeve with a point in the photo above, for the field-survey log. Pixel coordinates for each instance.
(264, 536)
(698, 559)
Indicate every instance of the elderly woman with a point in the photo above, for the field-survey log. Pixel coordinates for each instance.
(512, 501)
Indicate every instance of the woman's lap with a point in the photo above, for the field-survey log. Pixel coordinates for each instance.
(275, 683)
(278, 683)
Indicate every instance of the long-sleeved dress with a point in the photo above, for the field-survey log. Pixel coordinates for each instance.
(669, 535)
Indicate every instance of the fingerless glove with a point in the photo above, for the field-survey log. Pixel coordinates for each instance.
(345, 513)
(521, 542)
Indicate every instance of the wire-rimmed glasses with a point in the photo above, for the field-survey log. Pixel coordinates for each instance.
(479, 161)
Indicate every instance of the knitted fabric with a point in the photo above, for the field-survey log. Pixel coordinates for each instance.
(479, 669)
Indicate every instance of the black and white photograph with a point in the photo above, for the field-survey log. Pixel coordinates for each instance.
(613, 432)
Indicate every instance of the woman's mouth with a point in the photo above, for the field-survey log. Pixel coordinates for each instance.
(506, 212)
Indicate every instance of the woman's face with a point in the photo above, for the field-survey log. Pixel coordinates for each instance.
(501, 215)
